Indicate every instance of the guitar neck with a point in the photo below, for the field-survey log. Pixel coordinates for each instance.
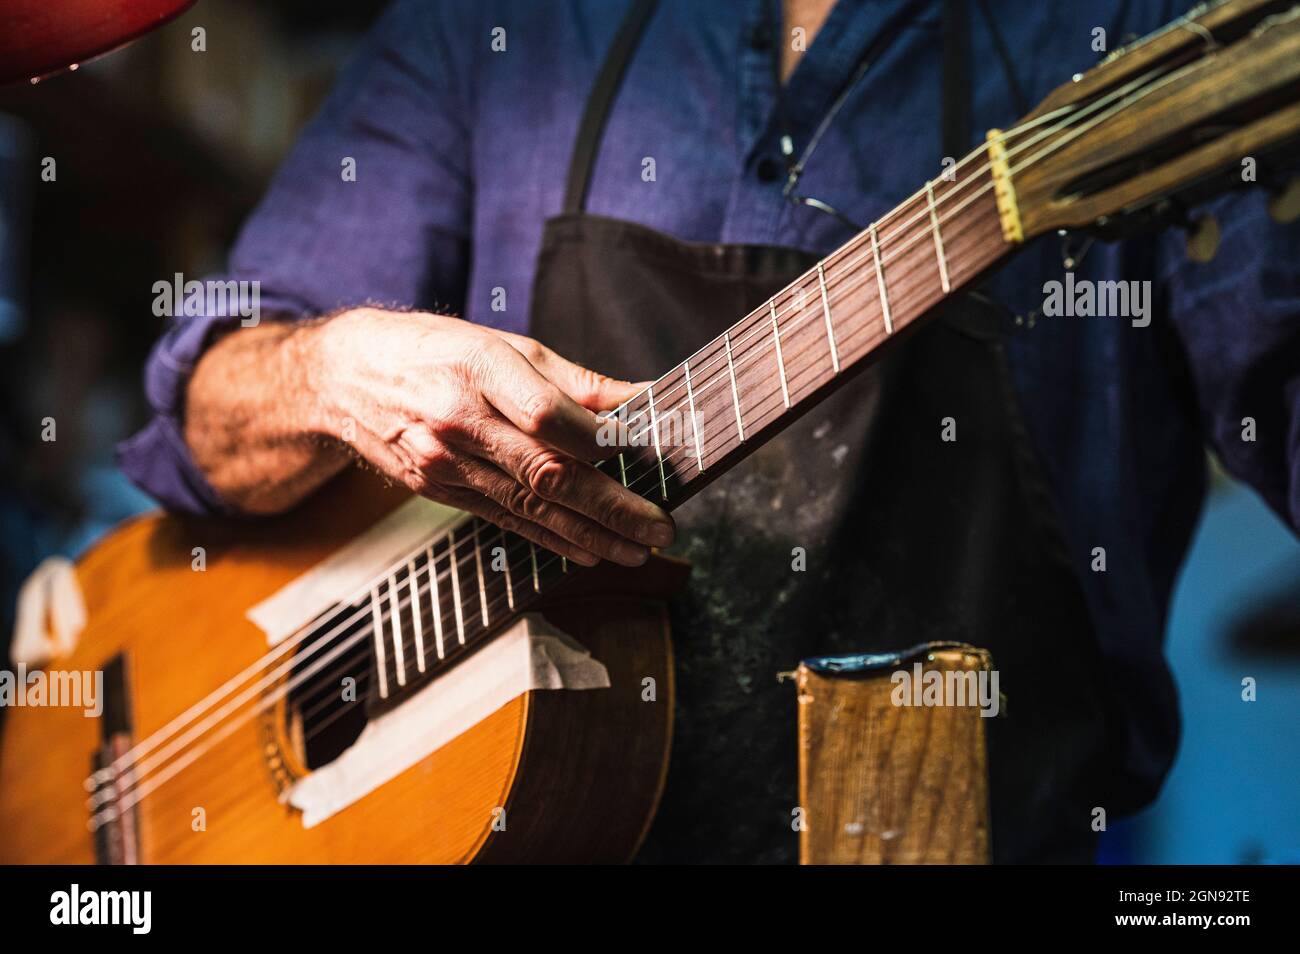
(742, 388)
(699, 420)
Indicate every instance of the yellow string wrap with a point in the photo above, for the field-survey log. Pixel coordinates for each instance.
(1003, 189)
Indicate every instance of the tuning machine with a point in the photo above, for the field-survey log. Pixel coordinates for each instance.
(1202, 238)
(1074, 248)
(1284, 203)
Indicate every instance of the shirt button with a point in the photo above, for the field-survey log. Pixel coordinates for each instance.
(768, 169)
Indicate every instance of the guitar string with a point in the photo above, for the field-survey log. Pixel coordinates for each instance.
(143, 789)
(948, 197)
(797, 346)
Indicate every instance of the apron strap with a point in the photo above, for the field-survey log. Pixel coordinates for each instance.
(956, 85)
(602, 95)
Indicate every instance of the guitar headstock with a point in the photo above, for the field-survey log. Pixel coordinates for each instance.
(1157, 126)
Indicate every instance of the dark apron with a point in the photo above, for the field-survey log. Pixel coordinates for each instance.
(908, 539)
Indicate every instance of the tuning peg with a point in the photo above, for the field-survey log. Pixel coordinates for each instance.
(1073, 249)
(1203, 238)
(1284, 205)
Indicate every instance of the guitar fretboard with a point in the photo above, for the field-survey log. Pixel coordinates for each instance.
(780, 360)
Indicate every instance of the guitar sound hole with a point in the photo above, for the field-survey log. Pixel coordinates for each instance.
(326, 708)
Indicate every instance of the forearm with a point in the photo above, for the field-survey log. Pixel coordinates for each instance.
(481, 420)
(253, 421)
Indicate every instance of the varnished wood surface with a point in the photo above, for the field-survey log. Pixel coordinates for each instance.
(882, 784)
(184, 634)
(593, 764)
(1226, 21)
(1216, 102)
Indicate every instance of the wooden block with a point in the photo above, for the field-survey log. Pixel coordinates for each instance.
(882, 783)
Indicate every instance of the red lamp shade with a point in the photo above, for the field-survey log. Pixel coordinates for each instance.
(38, 37)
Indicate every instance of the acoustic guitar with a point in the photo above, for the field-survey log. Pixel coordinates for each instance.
(373, 678)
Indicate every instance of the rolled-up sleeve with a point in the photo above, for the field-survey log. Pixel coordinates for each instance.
(1239, 319)
(372, 206)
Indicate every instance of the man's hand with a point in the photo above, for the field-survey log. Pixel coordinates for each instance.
(485, 421)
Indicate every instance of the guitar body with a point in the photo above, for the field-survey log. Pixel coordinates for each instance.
(578, 773)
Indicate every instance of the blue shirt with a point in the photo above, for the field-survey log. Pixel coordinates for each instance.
(460, 154)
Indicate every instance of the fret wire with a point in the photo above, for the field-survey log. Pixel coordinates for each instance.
(938, 239)
(695, 424)
(416, 623)
(780, 361)
(482, 583)
(510, 586)
(455, 584)
(532, 553)
(735, 394)
(880, 280)
(654, 428)
(399, 656)
(826, 313)
(381, 657)
(437, 602)
(622, 468)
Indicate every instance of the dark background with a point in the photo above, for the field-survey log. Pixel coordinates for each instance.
(161, 152)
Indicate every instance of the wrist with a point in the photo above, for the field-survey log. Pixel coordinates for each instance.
(311, 359)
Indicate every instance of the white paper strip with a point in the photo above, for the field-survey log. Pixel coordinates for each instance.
(344, 573)
(530, 655)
